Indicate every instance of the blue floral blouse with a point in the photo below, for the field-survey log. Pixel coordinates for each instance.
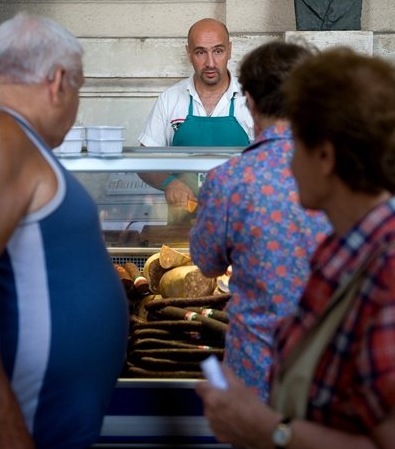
(249, 217)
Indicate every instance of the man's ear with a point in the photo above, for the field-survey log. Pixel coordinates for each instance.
(250, 102)
(327, 156)
(230, 51)
(56, 85)
(188, 53)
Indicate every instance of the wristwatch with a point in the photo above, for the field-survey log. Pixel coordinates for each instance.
(282, 434)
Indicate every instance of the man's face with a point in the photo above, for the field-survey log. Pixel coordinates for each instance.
(209, 51)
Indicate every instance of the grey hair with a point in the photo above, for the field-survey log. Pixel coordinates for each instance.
(33, 47)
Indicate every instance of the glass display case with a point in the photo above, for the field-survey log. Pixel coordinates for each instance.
(147, 412)
(134, 215)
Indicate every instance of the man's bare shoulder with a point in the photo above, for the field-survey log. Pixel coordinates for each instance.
(12, 138)
(17, 181)
(18, 155)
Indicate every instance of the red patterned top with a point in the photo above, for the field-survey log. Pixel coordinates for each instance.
(353, 388)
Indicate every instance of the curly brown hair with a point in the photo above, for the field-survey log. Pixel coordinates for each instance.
(348, 99)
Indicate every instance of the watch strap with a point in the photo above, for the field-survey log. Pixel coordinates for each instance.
(283, 422)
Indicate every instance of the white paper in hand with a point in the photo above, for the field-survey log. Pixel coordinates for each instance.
(213, 372)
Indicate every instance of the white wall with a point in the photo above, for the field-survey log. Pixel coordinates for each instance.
(134, 49)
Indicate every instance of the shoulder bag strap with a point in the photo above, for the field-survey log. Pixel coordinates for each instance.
(289, 389)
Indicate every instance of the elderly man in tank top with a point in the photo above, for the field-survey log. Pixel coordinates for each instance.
(63, 310)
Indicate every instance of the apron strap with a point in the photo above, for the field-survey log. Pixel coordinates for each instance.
(190, 110)
(232, 106)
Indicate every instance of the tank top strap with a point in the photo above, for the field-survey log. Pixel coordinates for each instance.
(37, 140)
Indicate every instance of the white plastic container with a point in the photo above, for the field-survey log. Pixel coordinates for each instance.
(72, 142)
(75, 133)
(69, 147)
(102, 146)
(104, 132)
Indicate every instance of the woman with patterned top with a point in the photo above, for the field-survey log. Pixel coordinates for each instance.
(342, 108)
(249, 217)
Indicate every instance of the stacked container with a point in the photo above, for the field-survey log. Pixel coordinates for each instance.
(72, 142)
(104, 140)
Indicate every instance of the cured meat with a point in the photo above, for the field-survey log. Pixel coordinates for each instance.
(185, 281)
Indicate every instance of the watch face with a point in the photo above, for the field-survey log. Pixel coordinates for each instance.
(282, 435)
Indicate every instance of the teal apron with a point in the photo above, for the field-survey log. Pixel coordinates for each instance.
(198, 131)
(210, 131)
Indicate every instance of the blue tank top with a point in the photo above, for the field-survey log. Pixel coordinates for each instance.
(63, 315)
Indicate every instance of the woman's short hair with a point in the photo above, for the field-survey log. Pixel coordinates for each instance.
(348, 99)
(263, 70)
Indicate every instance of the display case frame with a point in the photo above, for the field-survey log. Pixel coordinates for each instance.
(161, 159)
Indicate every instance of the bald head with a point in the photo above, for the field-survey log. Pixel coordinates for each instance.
(205, 26)
(209, 51)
